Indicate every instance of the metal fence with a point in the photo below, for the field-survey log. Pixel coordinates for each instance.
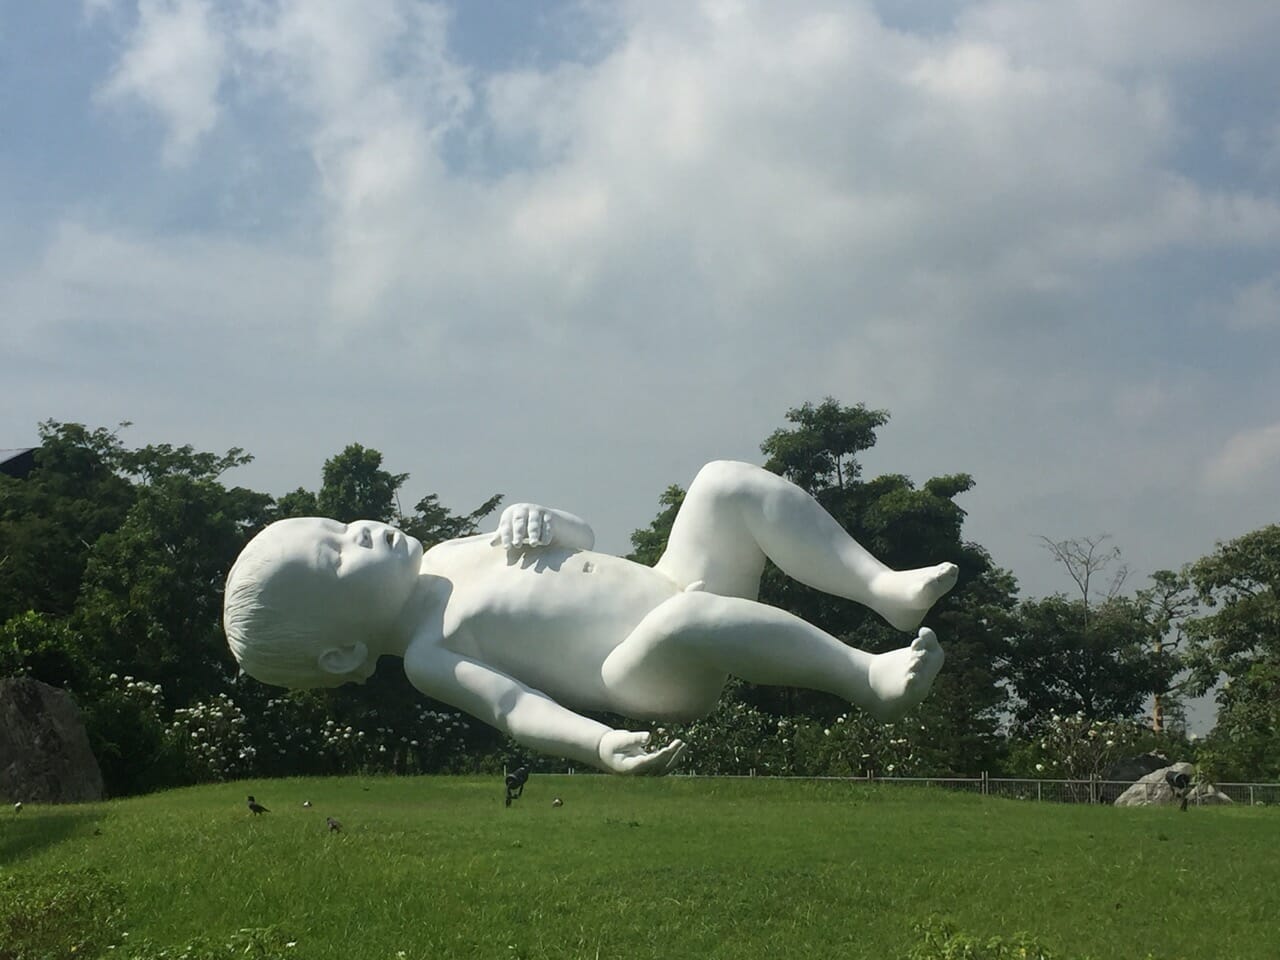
(1083, 791)
(1093, 790)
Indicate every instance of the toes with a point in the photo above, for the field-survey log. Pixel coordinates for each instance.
(926, 640)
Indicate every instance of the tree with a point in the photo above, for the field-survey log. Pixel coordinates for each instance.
(1240, 643)
(112, 566)
(296, 503)
(432, 523)
(820, 452)
(648, 544)
(45, 648)
(152, 592)
(1167, 603)
(1084, 558)
(355, 487)
(906, 527)
(1100, 659)
(50, 520)
(1062, 660)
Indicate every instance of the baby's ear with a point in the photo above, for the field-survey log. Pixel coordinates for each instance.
(344, 659)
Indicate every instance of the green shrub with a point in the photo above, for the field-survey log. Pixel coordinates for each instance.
(939, 940)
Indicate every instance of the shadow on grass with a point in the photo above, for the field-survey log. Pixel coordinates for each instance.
(25, 834)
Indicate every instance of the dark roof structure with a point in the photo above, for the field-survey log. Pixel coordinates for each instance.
(18, 462)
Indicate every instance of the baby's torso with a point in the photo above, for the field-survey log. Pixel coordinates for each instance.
(548, 617)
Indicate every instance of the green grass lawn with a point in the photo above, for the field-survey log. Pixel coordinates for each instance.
(437, 867)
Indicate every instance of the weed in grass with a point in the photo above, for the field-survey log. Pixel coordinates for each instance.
(65, 913)
(939, 940)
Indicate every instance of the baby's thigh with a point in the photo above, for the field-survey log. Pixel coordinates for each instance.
(658, 672)
(710, 540)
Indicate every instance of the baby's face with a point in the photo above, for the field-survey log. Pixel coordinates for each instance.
(359, 575)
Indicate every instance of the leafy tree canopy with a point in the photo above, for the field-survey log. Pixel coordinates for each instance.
(1066, 658)
(355, 487)
(905, 526)
(1240, 642)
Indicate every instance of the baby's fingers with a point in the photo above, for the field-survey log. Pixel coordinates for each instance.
(519, 527)
(537, 524)
(664, 760)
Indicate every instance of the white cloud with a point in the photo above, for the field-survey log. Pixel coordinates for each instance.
(1248, 457)
(1256, 305)
(1139, 34)
(90, 280)
(717, 211)
(173, 63)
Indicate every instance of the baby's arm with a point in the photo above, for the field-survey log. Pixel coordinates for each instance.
(529, 716)
(527, 524)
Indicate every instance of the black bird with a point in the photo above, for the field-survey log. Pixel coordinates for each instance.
(334, 825)
(1180, 783)
(516, 780)
(255, 807)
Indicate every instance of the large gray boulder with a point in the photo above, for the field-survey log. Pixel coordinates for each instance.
(1131, 769)
(1154, 789)
(44, 750)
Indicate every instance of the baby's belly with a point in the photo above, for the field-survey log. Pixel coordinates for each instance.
(550, 618)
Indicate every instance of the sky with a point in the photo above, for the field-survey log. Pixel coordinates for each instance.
(571, 251)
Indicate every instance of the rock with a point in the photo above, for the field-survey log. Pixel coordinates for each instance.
(1154, 788)
(1131, 769)
(44, 750)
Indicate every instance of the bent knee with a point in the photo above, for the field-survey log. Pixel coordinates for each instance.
(723, 476)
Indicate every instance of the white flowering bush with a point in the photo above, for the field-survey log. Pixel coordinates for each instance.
(737, 738)
(213, 738)
(125, 720)
(1073, 747)
(297, 734)
(855, 744)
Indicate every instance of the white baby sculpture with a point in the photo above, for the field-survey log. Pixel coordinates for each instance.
(522, 627)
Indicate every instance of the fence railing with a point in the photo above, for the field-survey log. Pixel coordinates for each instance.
(1093, 790)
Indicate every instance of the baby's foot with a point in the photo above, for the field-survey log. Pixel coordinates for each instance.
(900, 679)
(903, 597)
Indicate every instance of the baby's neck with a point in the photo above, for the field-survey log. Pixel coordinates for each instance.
(422, 613)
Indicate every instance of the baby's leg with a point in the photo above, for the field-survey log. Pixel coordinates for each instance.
(736, 514)
(675, 663)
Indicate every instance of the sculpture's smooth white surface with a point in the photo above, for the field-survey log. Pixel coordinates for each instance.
(522, 627)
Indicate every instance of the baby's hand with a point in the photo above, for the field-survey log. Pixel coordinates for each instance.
(524, 525)
(624, 751)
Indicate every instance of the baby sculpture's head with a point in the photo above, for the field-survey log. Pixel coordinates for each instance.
(312, 602)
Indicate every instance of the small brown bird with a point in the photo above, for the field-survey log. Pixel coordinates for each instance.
(255, 807)
(334, 825)
(557, 802)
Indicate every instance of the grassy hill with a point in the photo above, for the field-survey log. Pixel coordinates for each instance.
(437, 867)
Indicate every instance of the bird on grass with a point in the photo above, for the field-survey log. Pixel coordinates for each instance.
(17, 807)
(307, 804)
(255, 807)
(557, 802)
(515, 783)
(334, 825)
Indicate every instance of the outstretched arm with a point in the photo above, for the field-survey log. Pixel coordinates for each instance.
(531, 525)
(529, 716)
